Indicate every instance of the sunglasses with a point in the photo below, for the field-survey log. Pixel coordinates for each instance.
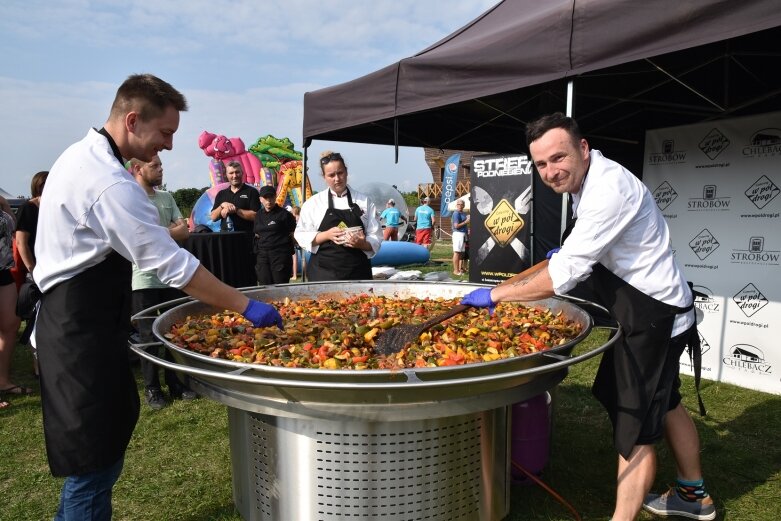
(336, 156)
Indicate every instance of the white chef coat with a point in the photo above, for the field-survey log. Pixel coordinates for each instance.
(91, 206)
(313, 211)
(619, 225)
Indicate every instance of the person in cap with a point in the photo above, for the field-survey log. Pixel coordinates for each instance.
(339, 227)
(273, 244)
(98, 222)
(392, 218)
(424, 223)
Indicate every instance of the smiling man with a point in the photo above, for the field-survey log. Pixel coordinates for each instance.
(95, 220)
(238, 202)
(619, 247)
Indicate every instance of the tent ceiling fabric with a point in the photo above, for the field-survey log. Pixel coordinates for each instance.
(635, 65)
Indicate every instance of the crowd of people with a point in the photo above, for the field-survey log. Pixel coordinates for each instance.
(99, 248)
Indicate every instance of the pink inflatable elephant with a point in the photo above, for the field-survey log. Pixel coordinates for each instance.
(231, 149)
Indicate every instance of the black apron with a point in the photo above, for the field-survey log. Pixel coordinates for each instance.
(334, 261)
(628, 375)
(89, 397)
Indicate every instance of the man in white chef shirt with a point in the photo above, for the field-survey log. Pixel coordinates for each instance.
(94, 222)
(620, 247)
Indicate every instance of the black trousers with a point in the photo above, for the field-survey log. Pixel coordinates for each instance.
(274, 267)
(140, 300)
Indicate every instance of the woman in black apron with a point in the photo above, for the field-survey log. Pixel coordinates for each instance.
(339, 261)
(342, 237)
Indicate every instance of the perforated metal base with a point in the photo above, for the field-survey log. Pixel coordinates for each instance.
(440, 469)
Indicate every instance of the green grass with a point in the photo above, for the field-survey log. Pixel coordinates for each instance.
(178, 462)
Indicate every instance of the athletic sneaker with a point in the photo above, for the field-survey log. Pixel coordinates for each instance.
(671, 504)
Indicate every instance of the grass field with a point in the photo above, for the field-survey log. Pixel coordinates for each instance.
(178, 462)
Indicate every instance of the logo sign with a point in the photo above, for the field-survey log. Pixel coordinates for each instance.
(755, 254)
(750, 300)
(668, 155)
(664, 195)
(764, 143)
(499, 166)
(504, 223)
(449, 183)
(762, 191)
(709, 201)
(706, 303)
(748, 358)
(713, 144)
(703, 244)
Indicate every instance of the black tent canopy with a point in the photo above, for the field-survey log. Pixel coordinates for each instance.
(634, 65)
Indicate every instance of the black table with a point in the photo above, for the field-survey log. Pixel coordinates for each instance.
(228, 255)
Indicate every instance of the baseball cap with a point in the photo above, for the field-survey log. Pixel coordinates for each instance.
(267, 192)
(426, 199)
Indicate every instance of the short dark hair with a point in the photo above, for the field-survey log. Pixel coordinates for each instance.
(36, 185)
(236, 164)
(537, 128)
(148, 95)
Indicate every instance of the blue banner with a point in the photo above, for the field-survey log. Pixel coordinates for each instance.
(449, 183)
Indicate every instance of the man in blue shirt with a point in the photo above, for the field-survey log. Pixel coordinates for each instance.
(391, 216)
(424, 217)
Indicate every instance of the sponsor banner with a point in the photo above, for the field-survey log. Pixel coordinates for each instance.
(718, 184)
(449, 184)
(499, 217)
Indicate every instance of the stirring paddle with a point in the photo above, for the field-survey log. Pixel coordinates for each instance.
(395, 338)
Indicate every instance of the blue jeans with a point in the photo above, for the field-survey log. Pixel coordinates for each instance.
(88, 497)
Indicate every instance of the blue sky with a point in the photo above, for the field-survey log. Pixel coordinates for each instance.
(243, 65)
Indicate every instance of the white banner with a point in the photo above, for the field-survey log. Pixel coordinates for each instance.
(719, 188)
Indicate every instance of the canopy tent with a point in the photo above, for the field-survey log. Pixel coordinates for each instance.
(635, 65)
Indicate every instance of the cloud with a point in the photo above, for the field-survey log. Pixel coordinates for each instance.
(243, 65)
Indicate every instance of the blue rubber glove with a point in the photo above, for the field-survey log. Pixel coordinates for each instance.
(262, 315)
(550, 253)
(480, 298)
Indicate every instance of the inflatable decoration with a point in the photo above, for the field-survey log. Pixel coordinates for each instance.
(284, 162)
(400, 253)
(380, 193)
(231, 149)
(289, 184)
(217, 172)
(203, 207)
(274, 149)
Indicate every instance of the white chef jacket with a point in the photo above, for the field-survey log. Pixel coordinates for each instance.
(619, 225)
(313, 211)
(91, 206)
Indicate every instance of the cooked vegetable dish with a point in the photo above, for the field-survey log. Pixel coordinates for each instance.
(340, 334)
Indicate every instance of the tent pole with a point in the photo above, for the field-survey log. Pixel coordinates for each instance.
(304, 179)
(565, 196)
